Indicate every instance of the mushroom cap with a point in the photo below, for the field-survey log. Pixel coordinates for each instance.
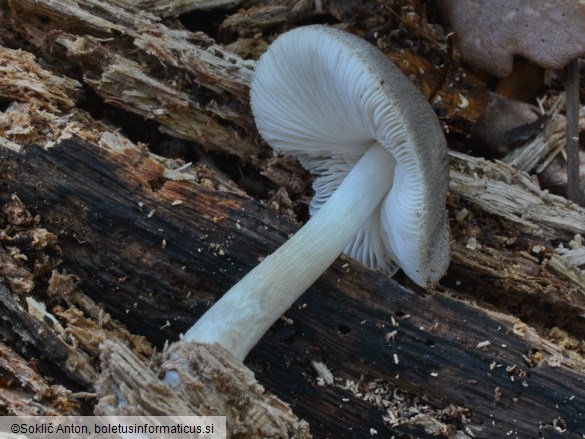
(325, 97)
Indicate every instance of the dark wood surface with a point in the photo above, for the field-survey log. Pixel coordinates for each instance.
(157, 272)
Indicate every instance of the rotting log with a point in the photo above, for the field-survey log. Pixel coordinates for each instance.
(157, 252)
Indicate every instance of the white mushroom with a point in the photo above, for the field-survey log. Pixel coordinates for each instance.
(379, 156)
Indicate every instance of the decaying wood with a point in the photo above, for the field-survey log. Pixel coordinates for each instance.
(521, 261)
(154, 243)
(363, 326)
(40, 335)
(213, 383)
(167, 8)
(249, 22)
(502, 190)
(25, 392)
(116, 78)
(545, 153)
(23, 79)
(545, 145)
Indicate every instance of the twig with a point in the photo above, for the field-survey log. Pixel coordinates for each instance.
(572, 132)
(447, 62)
(546, 145)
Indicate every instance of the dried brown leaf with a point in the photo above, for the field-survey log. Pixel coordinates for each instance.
(491, 32)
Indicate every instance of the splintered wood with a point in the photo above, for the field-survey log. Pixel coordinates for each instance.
(210, 382)
(24, 80)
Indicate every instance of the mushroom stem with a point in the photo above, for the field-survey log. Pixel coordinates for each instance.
(241, 317)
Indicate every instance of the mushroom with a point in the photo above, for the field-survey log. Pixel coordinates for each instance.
(380, 162)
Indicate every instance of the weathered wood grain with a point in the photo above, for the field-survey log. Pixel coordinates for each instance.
(162, 270)
(206, 99)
